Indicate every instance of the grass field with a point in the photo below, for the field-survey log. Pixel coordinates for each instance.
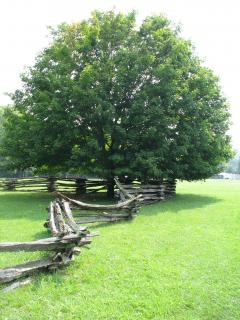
(177, 260)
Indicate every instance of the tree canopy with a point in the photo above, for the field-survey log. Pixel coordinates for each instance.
(108, 97)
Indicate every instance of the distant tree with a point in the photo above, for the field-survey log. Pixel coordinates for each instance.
(5, 170)
(110, 98)
(233, 165)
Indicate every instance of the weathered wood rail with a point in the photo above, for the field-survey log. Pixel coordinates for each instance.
(76, 185)
(64, 250)
(67, 236)
(90, 213)
(151, 192)
(48, 244)
(154, 191)
(66, 241)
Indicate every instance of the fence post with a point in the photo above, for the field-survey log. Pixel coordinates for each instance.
(10, 184)
(81, 187)
(170, 187)
(51, 187)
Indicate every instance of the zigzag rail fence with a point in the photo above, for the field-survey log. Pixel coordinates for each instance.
(67, 237)
(76, 185)
(152, 191)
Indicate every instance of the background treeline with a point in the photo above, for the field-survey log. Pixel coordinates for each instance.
(233, 166)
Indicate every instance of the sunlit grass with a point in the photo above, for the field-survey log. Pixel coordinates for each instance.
(177, 260)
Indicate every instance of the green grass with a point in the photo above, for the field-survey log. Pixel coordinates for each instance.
(177, 260)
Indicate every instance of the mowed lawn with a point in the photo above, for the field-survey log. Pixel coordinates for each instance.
(179, 259)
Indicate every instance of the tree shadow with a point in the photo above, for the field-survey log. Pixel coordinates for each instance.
(32, 206)
(43, 234)
(179, 203)
(174, 205)
(98, 225)
(19, 205)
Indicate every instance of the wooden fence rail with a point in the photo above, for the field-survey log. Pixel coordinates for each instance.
(151, 192)
(89, 213)
(154, 191)
(66, 241)
(67, 236)
(50, 184)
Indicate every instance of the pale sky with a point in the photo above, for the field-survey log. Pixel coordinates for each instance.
(213, 26)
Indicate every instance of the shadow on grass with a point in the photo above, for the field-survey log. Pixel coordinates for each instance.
(19, 205)
(98, 225)
(32, 206)
(173, 205)
(43, 234)
(178, 203)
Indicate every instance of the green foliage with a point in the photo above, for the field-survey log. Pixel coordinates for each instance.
(177, 260)
(110, 98)
(5, 170)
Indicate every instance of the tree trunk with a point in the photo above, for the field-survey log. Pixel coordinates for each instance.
(110, 188)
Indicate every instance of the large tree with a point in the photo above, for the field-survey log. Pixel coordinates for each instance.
(111, 98)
